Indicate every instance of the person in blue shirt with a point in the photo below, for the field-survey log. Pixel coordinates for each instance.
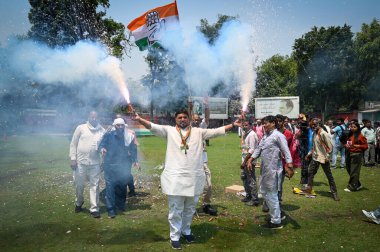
(118, 157)
(338, 146)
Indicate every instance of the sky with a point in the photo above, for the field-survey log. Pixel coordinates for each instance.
(275, 23)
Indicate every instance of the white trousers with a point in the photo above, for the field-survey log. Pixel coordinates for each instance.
(92, 174)
(271, 198)
(181, 211)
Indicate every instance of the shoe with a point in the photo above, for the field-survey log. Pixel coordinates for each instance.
(176, 245)
(246, 199)
(96, 214)
(335, 196)
(132, 194)
(208, 209)
(252, 203)
(333, 167)
(78, 209)
(309, 192)
(347, 190)
(189, 238)
(111, 214)
(271, 225)
(343, 167)
(359, 188)
(371, 216)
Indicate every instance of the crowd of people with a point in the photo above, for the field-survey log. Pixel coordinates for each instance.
(276, 144)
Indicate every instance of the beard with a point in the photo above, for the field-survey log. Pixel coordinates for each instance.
(183, 125)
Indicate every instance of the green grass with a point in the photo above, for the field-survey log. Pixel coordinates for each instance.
(36, 207)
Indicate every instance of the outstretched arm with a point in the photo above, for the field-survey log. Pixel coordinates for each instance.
(142, 121)
(236, 123)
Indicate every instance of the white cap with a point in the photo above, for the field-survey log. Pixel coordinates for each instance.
(119, 121)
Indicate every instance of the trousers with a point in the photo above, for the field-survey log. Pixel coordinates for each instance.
(249, 183)
(207, 191)
(271, 199)
(92, 174)
(181, 211)
(338, 147)
(354, 163)
(369, 154)
(116, 177)
(313, 169)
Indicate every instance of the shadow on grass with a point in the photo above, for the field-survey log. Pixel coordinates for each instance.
(135, 236)
(290, 221)
(324, 194)
(289, 207)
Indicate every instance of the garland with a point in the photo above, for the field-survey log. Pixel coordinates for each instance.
(184, 144)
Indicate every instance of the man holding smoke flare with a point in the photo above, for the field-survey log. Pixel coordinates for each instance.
(183, 177)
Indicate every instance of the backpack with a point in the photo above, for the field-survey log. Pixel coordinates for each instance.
(343, 136)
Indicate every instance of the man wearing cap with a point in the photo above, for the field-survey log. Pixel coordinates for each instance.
(119, 155)
(183, 178)
(85, 162)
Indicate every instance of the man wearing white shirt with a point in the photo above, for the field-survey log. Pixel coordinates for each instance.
(183, 177)
(249, 142)
(85, 162)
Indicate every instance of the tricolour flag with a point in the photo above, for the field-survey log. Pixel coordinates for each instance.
(151, 26)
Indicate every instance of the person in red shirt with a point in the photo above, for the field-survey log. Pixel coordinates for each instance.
(355, 146)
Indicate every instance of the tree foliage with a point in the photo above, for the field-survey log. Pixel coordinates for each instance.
(165, 82)
(211, 31)
(277, 76)
(59, 23)
(325, 62)
(367, 52)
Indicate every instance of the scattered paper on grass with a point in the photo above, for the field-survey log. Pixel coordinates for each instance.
(68, 232)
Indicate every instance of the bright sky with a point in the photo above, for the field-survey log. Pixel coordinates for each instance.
(275, 23)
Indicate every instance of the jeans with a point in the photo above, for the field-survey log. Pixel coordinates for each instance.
(338, 147)
(116, 177)
(249, 183)
(369, 154)
(377, 212)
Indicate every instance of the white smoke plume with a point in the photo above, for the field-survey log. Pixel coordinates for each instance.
(84, 61)
(230, 58)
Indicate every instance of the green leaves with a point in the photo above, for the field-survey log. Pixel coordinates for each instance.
(59, 23)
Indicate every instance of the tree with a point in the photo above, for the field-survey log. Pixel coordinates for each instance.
(165, 82)
(277, 76)
(367, 52)
(59, 23)
(325, 63)
(212, 31)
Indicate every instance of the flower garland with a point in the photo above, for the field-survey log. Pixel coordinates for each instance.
(184, 144)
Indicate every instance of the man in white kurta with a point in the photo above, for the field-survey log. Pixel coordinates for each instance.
(85, 162)
(183, 178)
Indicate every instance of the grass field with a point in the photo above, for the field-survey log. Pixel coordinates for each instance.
(37, 203)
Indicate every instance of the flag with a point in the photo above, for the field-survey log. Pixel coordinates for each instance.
(149, 28)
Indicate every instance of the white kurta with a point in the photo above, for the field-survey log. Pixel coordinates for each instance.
(184, 174)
